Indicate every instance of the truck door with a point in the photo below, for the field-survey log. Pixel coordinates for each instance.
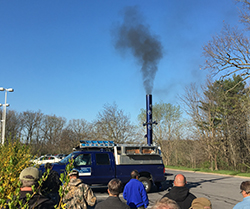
(83, 164)
(104, 169)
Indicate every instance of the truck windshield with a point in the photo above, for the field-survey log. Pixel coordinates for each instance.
(67, 158)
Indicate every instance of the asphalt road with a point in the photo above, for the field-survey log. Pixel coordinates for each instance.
(223, 191)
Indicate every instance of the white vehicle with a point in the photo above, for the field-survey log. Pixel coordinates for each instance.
(61, 156)
(46, 159)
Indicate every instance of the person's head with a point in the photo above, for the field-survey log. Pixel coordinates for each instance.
(134, 174)
(201, 203)
(165, 203)
(180, 180)
(115, 187)
(29, 177)
(245, 188)
(74, 174)
(48, 166)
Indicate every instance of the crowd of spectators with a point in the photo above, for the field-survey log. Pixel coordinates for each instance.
(79, 195)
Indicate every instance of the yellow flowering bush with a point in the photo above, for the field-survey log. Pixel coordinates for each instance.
(14, 157)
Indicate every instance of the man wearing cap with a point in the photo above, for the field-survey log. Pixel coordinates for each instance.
(245, 191)
(134, 192)
(180, 193)
(77, 194)
(201, 203)
(29, 177)
(113, 201)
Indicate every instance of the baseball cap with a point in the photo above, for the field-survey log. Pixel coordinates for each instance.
(74, 172)
(29, 174)
(201, 203)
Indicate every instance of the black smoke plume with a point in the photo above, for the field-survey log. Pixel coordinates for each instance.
(136, 37)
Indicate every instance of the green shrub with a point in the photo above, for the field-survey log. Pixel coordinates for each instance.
(14, 157)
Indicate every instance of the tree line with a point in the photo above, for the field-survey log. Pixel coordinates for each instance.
(216, 134)
(52, 134)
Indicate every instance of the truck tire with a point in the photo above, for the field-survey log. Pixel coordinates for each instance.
(146, 182)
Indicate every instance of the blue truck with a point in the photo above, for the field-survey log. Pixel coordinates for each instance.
(100, 161)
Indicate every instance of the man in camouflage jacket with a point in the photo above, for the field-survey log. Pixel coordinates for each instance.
(77, 194)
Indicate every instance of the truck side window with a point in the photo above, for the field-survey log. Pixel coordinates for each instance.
(102, 159)
(82, 159)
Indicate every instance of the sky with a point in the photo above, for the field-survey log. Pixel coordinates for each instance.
(61, 56)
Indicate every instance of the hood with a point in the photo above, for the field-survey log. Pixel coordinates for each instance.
(74, 182)
(179, 194)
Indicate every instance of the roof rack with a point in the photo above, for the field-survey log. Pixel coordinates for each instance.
(96, 144)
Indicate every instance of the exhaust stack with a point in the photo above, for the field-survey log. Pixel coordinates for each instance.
(149, 121)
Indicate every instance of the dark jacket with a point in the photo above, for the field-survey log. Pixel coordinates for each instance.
(52, 183)
(182, 196)
(37, 201)
(112, 203)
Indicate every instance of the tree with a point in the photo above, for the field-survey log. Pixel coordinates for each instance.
(169, 125)
(233, 109)
(200, 108)
(81, 129)
(66, 142)
(31, 125)
(228, 52)
(76, 130)
(220, 114)
(51, 130)
(114, 124)
(13, 125)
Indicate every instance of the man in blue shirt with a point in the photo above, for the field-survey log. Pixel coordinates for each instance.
(135, 193)
(245, 191)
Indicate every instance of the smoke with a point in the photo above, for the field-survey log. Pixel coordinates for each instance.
(134, 36)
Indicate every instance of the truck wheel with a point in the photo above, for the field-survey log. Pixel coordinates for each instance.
(146, 182)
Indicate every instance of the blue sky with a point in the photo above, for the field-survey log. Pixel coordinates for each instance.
(59, 55)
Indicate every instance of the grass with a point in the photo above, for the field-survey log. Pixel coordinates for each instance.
(225, 172)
